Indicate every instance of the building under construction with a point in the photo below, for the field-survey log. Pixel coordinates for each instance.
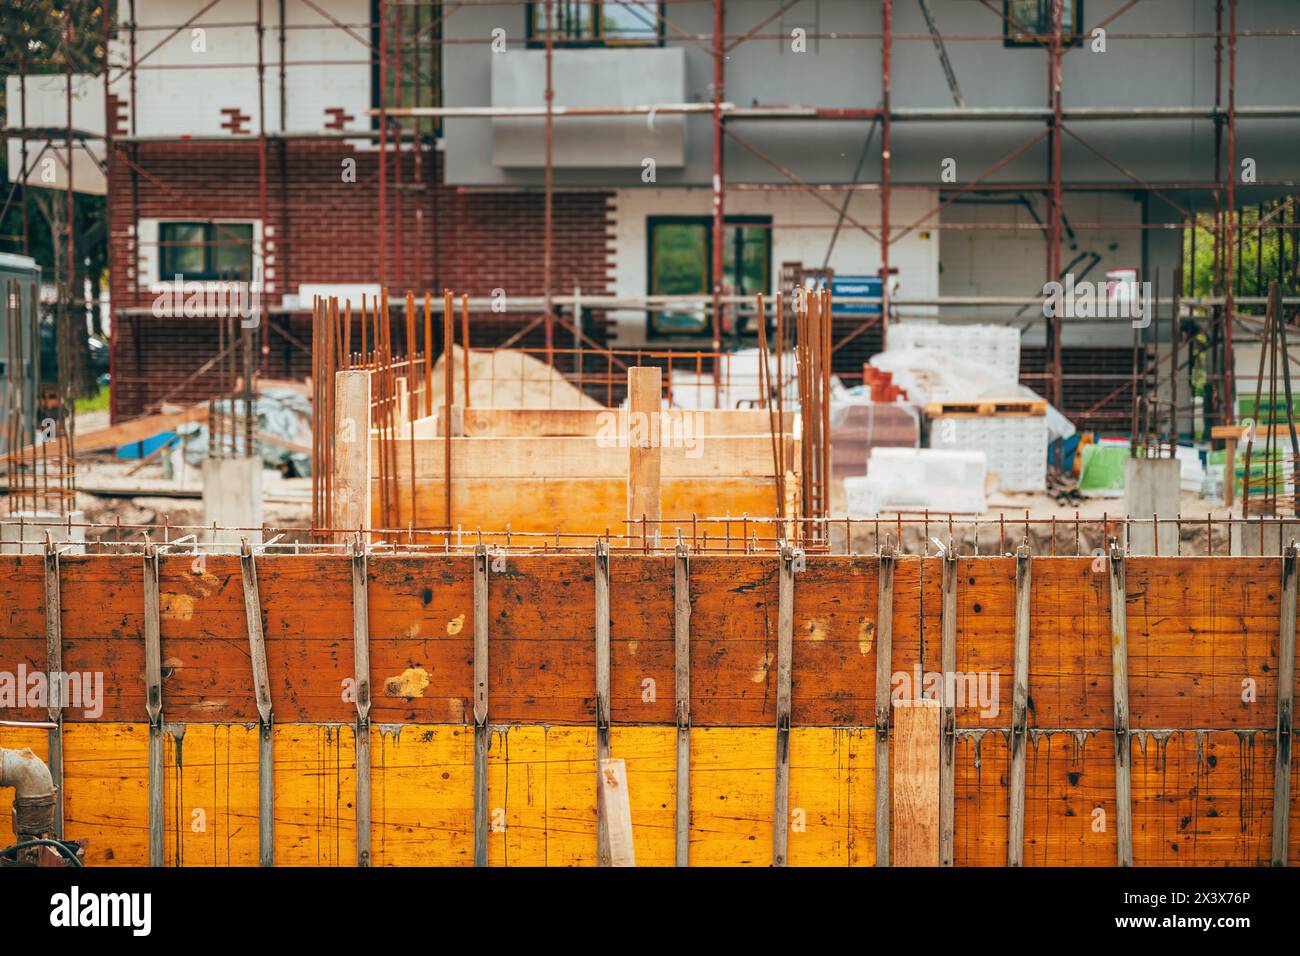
(742, 433)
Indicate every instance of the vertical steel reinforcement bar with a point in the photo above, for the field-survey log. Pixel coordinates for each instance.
(884, 667)
(262, 693)
(682, 694)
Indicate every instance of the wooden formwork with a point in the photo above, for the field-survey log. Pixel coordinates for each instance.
(539, 470)
(503, 660)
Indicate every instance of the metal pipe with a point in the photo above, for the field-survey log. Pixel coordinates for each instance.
(34, 793)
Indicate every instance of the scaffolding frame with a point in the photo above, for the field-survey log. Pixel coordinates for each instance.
(1058, 123)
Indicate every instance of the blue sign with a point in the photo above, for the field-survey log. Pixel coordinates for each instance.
(855, 287)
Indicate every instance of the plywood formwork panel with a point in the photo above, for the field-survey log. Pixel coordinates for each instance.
(1203, 753)
(588, 506)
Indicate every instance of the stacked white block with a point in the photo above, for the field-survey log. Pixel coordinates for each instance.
(918, 479)
(996, 347)
(1015, 446)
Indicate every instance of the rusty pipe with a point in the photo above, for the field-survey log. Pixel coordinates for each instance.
(34, 792)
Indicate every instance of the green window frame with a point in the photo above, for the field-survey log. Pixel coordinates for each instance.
(593, 23)
(206, 251)
(1029, 22)
(679, 261)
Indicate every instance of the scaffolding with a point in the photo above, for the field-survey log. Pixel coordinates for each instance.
(405, 33)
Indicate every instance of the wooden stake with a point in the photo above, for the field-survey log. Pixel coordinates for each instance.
(616, 821)
(916, 783)
(644, 452)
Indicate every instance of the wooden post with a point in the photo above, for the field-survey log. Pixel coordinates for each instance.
(884, 676)
(616, 822)
(682, 692)
(916, 783)
(644, 455)
(54, 668)
(481, 565)
(1119, 681)
(1285, 711)
(351, 452)
(948, 739)
(602, 695)
(1019, 711)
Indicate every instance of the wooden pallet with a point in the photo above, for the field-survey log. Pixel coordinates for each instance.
(985, 407)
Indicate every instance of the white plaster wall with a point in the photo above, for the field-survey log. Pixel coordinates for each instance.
(182, 90)
(916, 256)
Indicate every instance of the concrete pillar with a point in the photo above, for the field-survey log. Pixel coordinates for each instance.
(1262, 537)
(232, 498)
(22, 533)
(1152, 487)
(351, 505)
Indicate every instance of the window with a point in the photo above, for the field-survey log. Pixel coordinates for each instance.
(595, 23)
(206, 251)
(1030, 23)
(414, 74)
(680, 250)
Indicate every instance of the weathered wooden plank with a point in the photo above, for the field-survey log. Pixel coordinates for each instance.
(1123, 744)
(916, 824)
(1019, 710)
(617, 848)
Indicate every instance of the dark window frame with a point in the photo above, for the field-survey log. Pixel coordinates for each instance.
(167, 270)
(435, 90)
(707, 221)
(536, 40)
(1071, 37)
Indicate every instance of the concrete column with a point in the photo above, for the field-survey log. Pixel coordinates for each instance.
(232, 498)
(351, 505)
(1262, 537)
(23, 533)
(1152, 487)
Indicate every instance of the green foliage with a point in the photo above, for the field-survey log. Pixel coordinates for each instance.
(1277, 246)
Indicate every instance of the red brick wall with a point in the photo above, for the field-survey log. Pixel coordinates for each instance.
(326, 231)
